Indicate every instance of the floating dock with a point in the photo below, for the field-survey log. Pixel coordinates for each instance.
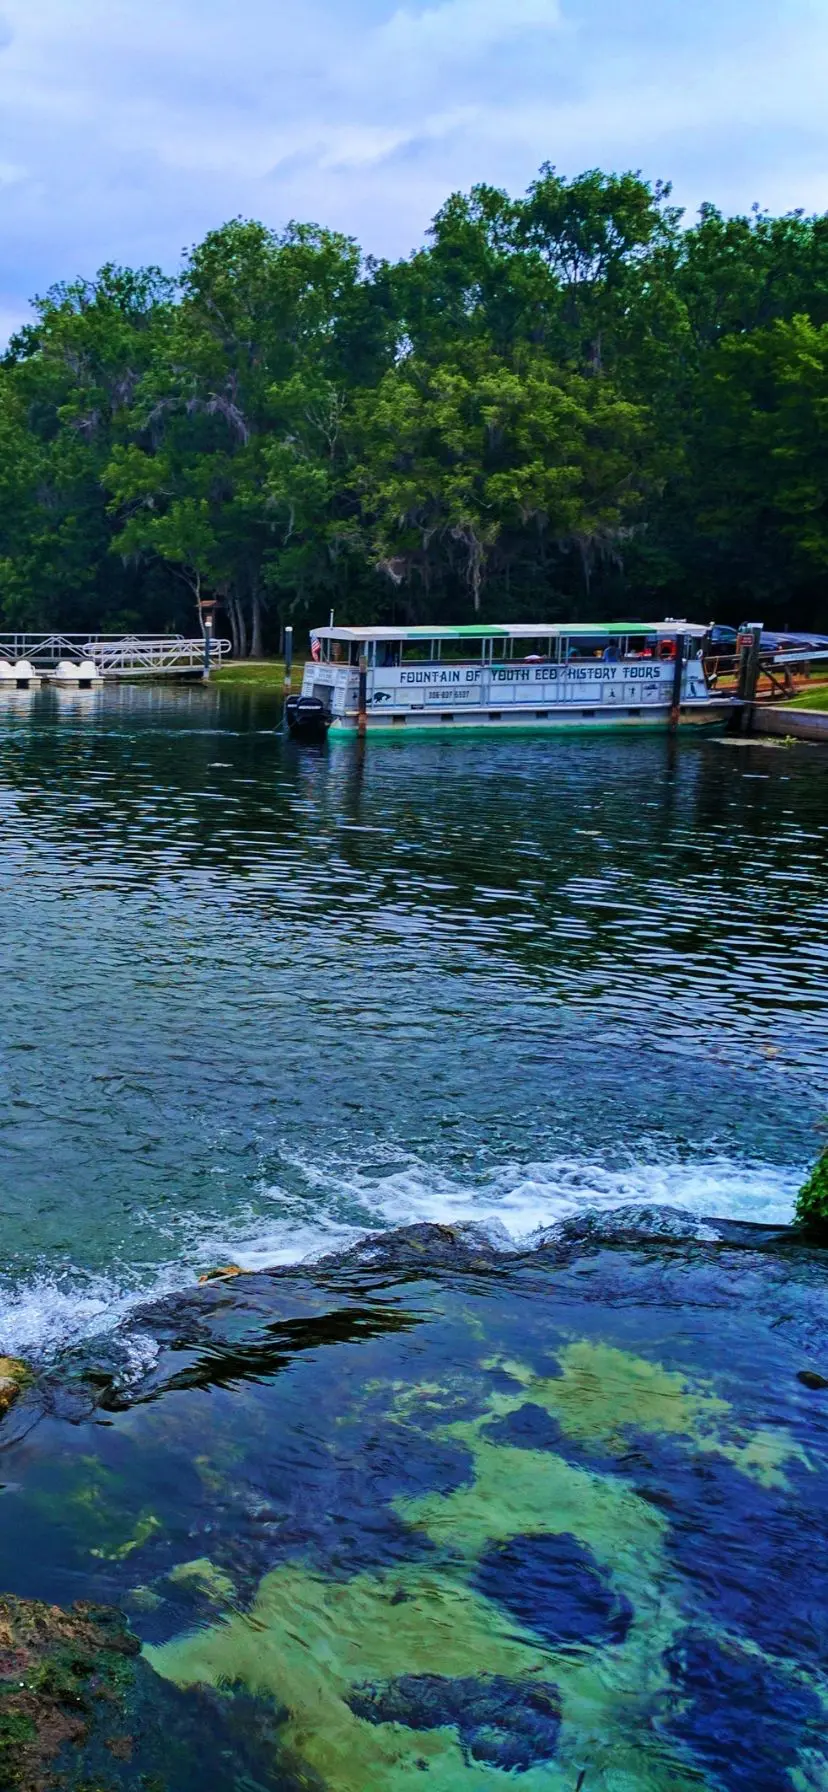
(110, 657)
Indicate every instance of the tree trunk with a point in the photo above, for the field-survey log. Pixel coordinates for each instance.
(256, 644)
(237, 628)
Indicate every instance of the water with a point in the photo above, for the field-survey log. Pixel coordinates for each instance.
(433, 1514)
(256, 1000)
(553, 1521)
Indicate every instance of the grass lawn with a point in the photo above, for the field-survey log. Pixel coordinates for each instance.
(817, 698)
(266, 675)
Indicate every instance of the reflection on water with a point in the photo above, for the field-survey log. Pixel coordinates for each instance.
(255, 998)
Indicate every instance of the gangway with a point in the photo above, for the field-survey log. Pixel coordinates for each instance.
(115, 656)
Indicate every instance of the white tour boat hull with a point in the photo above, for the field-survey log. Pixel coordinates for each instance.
(386, 687)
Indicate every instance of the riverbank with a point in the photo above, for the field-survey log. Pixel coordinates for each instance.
(264, 675)
(791, 721)
(436, 1507)
(814, 698)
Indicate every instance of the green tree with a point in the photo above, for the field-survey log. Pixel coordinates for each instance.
(461, 460)
(68, 380)
(220, 478)
(565, 401)
(764, 488)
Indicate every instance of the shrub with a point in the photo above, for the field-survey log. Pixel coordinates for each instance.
(812, 1200)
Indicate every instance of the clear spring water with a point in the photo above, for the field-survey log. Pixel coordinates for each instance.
(254, 1000)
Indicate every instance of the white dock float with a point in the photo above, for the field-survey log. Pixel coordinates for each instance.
(19, 677)
(79, 675)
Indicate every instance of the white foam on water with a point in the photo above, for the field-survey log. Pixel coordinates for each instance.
(337, 1205)
(525, 1198)
(47, 1314)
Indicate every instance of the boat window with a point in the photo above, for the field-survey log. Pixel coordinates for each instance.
(592, 647)
(533, 648)
(388, 653)
(464, 650)
(579, 647)
(413, 652)
(639, 647)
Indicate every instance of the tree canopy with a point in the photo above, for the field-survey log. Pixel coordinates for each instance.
(568, 404)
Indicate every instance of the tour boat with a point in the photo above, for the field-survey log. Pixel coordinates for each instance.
(506, 676)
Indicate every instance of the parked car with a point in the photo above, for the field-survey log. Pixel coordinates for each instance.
(721, 639)
(773, 642)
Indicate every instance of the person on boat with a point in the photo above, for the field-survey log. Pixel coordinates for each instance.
(611, 652)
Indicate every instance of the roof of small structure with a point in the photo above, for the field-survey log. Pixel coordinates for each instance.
(518, 631)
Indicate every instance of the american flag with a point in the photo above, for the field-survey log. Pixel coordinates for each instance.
(316, 645)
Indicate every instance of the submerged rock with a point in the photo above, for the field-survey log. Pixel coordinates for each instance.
(424, 1245)
(498, 1721)
(628, 1224)
(14, 1377)
(555, 1586)
(555, 1516)
(718, 1685)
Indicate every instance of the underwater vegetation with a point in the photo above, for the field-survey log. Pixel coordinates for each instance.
(548, 1523)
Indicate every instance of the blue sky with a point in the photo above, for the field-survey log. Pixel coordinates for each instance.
(129, 127)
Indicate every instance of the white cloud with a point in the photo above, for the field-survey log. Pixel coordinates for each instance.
(127, 129)
(464, 27)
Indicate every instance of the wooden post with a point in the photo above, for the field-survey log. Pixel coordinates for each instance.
(749, 676)
(678, 675)
(288, 657)
(362, 702)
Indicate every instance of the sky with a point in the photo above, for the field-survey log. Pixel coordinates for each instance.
(128, 128)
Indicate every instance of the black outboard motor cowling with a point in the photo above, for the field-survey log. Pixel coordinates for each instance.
(308, 718)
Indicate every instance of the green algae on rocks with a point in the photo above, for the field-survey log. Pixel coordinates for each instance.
(812, 1202)
(61, 1672)
(14, 1377)
(82, 1711)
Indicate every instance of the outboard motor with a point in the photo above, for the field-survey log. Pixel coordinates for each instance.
(308, 718)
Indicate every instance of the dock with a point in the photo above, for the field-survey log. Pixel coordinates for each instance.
(114, 656)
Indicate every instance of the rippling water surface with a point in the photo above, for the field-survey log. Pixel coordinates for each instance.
(254, 1000)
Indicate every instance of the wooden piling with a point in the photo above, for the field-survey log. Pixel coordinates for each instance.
(678, 675)
(749, 674)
